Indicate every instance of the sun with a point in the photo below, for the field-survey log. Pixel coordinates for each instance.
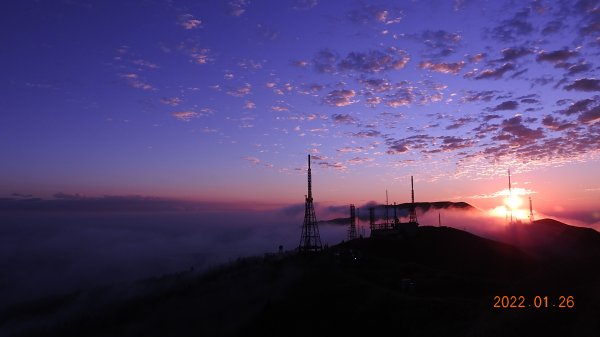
(513, 202)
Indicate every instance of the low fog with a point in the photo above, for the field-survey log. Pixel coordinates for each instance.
(47, 253)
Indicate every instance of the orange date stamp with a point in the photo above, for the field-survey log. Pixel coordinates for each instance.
(536, 302)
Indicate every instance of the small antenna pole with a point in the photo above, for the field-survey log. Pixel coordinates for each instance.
(530, 211)
(510, 196)
(387, 218)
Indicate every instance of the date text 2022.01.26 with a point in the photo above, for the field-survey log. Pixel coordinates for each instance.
(518, 302)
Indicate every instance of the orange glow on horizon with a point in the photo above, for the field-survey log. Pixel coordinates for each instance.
(504, 212)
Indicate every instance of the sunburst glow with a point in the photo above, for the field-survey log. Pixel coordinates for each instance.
(504, 212)
(513, 202)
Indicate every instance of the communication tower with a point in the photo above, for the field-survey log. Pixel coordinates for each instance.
(310, 240)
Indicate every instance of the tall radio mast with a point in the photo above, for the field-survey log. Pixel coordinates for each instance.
(310, 240)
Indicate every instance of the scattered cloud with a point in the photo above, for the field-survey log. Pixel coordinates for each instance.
(351, 149)
(451, 143)
(584, 84)
(248, 64)
(238, 7)
(503, 193)
(404, 145)
(529, 99)
(580, 106)
(553, 27)
(374, 61)
(506, 105)
(370, 62)
(372, 100)
(478, 96)
(510, 29)
(325, 60)
(340, 98)
(459, 123)
(577, 68)
(516, 133)
(372, 14)
(513, 54)
(402, 97)
(343, 119)
(398, 147)
(366, 134)
(587, 110)
(591, 21)
(145, 64)
(134, 81)
(310, 89)
(197, 53)
(185, 116)
(590, 116)
(443, 42)
(376, 85)
(252, 160)
(556, 57)
(280, 108)
(495, 73)
(300, 63)
(241, 91)
(187, 21)
(477, 57)
(360, 160)
(445, 68)
(172, 101)
(337, 165)
(555, 124)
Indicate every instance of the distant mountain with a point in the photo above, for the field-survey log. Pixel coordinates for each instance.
(552, 238)
(403, 209)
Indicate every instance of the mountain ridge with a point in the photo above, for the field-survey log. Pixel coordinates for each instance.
(403, 209)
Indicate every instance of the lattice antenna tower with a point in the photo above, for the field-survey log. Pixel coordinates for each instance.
(310, 240)
(352, 230)
(413, 213)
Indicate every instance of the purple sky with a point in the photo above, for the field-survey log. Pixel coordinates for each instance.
(222, 100)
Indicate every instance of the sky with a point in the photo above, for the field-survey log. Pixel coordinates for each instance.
(222, 101)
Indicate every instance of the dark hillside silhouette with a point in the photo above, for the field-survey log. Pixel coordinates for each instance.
(552, 238)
